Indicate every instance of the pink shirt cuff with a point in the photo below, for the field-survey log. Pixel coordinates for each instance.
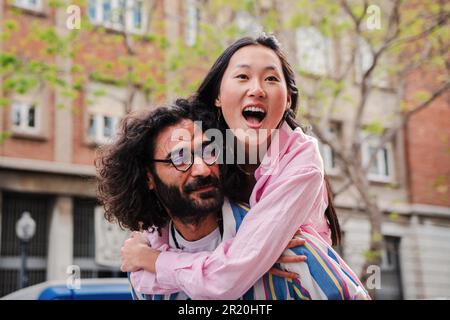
(167, 265)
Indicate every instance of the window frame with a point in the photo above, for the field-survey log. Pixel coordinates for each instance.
(191, 22)
(99, 136)
(389, 164)
(327, 153)
(247, 23)
(129, 26)
(25, 4)
(363, 60)
(325, 52)
(23, 126)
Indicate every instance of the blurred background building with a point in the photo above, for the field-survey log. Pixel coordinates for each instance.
(65, 89)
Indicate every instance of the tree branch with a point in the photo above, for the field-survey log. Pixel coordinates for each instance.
(391, 132)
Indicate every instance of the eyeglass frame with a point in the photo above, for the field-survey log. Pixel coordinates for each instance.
(192, 159)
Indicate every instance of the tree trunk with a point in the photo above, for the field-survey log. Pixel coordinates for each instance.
(374, 252)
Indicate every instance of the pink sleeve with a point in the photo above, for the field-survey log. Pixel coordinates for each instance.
(144, 281)
(228, 272)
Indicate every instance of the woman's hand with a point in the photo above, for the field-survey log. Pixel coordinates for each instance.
(136, 254)
(295, 242)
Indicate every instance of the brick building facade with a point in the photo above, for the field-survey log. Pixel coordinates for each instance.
(46, 164)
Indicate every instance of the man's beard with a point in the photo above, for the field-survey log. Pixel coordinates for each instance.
(183, 207)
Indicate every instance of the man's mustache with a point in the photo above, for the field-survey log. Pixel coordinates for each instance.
(200, 183)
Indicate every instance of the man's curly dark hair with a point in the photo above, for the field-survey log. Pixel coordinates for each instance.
(122, 167)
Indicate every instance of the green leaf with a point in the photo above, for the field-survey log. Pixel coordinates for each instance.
(56, 3)
(393, 216)
(4, 135)
(372, 255)
(4, 102)
(440, 184)
(376, 237)
(7, 59)
(421, 96)
(11, 25)
(375, 127)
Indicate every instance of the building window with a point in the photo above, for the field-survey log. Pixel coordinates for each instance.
(24, 117)
(84, 242)
(391, 284)
(328, 155)
(382, 167)
(34, 5)
(137, 15)
(248, 24)
(115, 14)
(191, 21)
(13, 205)
(314, 51)
(102, 128)
(364, 58)
(329, 158)
(363, 61)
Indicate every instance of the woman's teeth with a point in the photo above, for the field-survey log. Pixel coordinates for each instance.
(253, 114)
(254, 109)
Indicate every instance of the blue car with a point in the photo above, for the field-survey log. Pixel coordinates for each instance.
(90, 289)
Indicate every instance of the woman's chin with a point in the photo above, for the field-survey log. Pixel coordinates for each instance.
(254, 144)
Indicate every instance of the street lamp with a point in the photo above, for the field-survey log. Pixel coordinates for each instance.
(25, 229)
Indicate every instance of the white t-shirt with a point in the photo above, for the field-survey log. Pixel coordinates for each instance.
(207, 243)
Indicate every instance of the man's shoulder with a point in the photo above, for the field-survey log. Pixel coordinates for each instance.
(237, 205)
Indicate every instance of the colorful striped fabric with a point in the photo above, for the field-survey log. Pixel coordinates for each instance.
(323, 276)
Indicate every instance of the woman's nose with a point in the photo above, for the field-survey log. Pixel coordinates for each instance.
(257, 90)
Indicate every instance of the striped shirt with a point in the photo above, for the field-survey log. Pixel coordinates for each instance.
(324, 275)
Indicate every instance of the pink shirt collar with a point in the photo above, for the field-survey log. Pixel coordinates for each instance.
(278, 146)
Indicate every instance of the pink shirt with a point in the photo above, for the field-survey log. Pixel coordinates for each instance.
(293, 194)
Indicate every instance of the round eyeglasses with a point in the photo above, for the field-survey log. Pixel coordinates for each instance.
(183, 159)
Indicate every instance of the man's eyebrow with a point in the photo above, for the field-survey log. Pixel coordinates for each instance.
(174, 151)
(205, 143)
(169, 155)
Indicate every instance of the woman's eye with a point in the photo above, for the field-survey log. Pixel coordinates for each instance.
(272, 78)
(242, 76)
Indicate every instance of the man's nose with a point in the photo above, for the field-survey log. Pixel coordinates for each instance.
(256, 90)
(200, 168)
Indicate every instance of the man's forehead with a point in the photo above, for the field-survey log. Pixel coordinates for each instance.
(172, 136)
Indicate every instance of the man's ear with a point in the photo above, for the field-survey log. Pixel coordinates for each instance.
(150, 181)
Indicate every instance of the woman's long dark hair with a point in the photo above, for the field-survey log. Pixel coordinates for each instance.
(233, 177)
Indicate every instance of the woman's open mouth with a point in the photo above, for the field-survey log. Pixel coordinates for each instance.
(254, 116)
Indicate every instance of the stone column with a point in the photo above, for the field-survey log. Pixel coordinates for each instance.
(172, 32)
(63, 105)
(60, 248)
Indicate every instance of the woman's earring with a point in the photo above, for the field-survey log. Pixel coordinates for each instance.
(219, 115)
